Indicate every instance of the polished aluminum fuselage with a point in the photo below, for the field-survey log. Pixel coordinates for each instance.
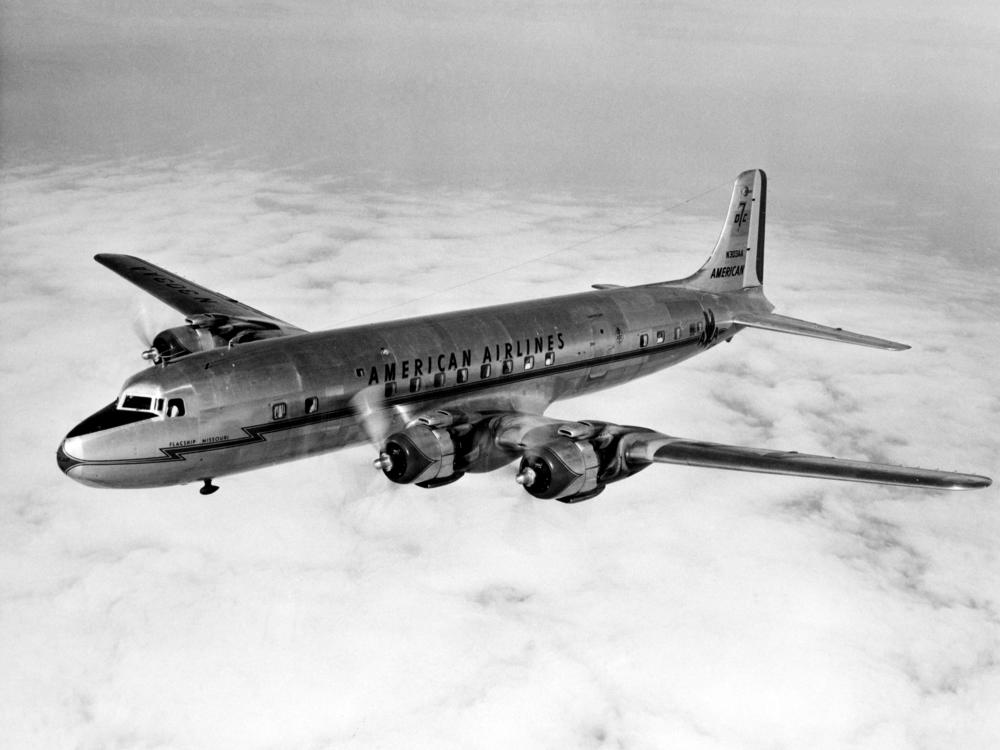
(271, 401)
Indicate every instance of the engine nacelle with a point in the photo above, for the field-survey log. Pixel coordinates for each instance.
(562, 469)
(422, 454)
(176, 342)
(203, 334)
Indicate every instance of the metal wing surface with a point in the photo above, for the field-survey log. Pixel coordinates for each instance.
(658, 448)
(187, 297)
(785, 324)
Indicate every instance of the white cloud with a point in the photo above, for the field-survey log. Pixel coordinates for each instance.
(311, 605)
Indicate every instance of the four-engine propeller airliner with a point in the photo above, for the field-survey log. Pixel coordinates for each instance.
(236, 389)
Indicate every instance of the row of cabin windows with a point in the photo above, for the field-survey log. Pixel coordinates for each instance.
(462, 375)
(311, 405)
(661, 336)
(280, 410)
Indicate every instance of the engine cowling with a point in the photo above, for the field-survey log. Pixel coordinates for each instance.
(203, 334)
(561, 469)
(421, 454)
(182, 340)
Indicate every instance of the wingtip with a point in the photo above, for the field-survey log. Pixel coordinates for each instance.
(958, 481)
(110, 260)
(971, 483)
(885, 344)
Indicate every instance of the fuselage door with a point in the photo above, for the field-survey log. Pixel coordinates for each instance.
(602, 343)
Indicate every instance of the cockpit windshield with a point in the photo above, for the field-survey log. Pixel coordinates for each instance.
(108, 417)
(129, 408)
(138, 403)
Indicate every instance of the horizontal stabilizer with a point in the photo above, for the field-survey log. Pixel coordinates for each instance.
(784, 324)
(670, 450)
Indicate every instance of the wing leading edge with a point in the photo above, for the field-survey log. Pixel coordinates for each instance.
(657, 448)
(188, 298)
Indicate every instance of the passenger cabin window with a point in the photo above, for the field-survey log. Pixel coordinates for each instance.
(463, 375)
(529, 362)
(312, 405)
(279, 410)
(390, 388)
(175, 407)
(692, 329)
(677, 333)
(508, 366)
(661, 336)
(550, 357)
(485, 370)
(644, 340)
(439, 378)
(414, 385)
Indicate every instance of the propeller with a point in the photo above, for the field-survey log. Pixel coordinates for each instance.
(145, 328)
(369, 408)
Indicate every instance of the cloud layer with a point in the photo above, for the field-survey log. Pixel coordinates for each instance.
(313, 606)
(335, 162)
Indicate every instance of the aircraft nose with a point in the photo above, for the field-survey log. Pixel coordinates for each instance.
(65, 461)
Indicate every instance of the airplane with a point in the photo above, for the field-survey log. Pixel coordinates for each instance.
(439, 396)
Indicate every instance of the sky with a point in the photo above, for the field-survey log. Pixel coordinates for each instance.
(334, 162)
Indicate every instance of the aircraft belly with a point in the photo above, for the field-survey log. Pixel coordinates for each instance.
(638, 367)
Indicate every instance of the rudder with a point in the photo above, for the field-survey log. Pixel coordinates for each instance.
(737, 262)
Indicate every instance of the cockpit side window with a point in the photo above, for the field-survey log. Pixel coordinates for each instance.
(175, 407)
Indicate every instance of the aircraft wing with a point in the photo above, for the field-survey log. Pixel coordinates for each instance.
(574, 461)
(192, 300)
(657, 448)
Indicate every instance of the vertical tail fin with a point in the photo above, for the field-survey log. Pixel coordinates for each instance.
(738, 259)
